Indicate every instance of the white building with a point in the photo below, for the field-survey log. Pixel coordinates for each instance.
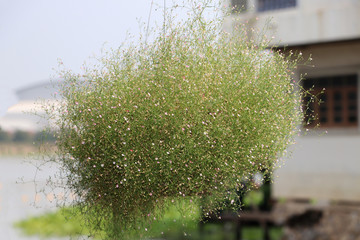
(21, 115)
(324, 166)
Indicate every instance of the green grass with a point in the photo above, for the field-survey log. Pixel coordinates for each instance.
(64, 223)
(256, 233)
(61, 223)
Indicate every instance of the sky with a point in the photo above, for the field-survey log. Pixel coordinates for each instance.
(35, 34)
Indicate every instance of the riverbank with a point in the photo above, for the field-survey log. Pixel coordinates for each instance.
(25, 149)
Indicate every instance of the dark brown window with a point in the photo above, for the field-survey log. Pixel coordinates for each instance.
(267, 5)
(332, 102)
(238, 6)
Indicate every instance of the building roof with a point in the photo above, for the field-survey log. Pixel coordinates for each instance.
(21, 116)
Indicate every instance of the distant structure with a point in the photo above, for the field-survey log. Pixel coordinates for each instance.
(20, 116)
(325, 164)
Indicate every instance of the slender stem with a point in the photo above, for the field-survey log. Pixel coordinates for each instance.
(164, 18)
(148, 22)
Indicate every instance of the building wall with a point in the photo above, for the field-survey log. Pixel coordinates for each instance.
(325, 164)
(310, 21)
(325, 167)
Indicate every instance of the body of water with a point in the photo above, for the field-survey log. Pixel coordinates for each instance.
(24, 192)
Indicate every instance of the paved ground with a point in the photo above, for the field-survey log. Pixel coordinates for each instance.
(20, 183)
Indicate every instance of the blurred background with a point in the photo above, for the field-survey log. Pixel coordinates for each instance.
(315, 194)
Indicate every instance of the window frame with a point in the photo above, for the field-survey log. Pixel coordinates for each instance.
(331, 73)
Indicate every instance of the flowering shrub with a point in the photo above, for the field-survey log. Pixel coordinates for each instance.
(189, 116)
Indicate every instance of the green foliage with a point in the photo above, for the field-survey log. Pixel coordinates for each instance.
(190, 115)
(256, 233)
(4, 136)
(22, 136)
(253, 198)
(44, 136)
